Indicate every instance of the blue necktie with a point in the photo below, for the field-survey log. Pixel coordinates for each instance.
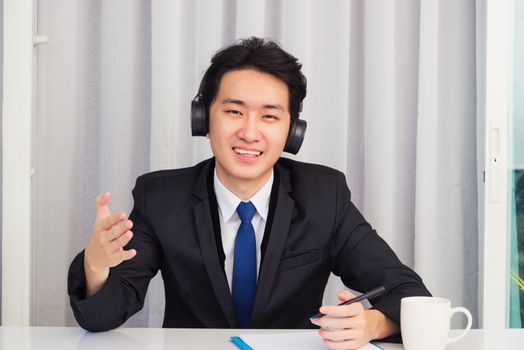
(244, 265)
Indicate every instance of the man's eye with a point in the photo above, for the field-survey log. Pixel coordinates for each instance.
(234, 112)
(270, 117)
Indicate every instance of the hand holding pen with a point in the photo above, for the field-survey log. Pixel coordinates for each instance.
(368, 295)
(348, 325)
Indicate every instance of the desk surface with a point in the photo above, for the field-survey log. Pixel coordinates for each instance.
(46, 338)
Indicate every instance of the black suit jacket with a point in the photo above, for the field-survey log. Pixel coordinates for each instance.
(313, 229)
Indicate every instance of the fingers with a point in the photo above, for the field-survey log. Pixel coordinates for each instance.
(343, 320)
(111, 233)
(342, 310)
(343, 339)
(117, 230)
(344, 345)
(116, 224)
(122, 255)
(343, 332)
(102, 206)
(127, 254)
(340, 335)
(343, 326)
(101, 255)
(121, 241)
(106, 224)
(345, 295)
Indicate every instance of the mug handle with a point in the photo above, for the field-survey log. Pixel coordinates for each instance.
(468, 327)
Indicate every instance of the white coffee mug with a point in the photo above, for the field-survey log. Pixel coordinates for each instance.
(425, 322)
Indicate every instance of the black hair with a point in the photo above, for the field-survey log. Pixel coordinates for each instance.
(261, 55)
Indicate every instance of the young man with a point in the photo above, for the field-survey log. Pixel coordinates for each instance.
(247, 238)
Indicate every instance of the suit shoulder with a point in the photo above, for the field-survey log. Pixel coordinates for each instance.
(297, 168)
(174, 174)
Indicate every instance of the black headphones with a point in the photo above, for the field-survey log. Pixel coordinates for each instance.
(200, 124)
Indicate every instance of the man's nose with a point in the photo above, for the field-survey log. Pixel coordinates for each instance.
(249, 131)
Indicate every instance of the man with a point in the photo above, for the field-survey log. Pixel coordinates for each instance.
(247, 238)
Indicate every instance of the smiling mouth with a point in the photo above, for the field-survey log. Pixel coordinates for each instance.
(244, 152)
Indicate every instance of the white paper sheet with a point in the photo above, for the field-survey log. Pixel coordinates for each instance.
(290, 341)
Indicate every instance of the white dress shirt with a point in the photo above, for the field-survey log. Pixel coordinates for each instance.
(230, 221)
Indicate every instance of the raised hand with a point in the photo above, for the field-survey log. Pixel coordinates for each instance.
(105, 249)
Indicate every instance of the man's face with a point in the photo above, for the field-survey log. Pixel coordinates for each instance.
(248, 127)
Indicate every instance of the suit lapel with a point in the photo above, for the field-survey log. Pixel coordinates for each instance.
(208, 248)
(275, 247)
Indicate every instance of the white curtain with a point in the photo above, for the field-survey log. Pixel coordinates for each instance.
(391, 103)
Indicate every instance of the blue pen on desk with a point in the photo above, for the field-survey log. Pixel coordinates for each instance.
(368, 295)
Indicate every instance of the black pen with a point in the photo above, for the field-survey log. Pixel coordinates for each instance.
(368, 295)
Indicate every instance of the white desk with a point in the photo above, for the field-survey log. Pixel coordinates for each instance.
(47, 338)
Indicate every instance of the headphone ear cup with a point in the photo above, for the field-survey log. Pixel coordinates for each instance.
(199, 120)
(296, 136)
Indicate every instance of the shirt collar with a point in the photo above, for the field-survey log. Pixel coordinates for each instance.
(228, 201)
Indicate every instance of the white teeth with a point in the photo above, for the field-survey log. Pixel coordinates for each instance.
(243, 151)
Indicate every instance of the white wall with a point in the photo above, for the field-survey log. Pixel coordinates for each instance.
(518, 85)
(1, 101)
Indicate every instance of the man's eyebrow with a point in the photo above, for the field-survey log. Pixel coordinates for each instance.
(234, 101)
(242, 103)
(275, 106)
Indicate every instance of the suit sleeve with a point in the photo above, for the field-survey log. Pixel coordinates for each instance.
(364, 261)
(124, 292)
